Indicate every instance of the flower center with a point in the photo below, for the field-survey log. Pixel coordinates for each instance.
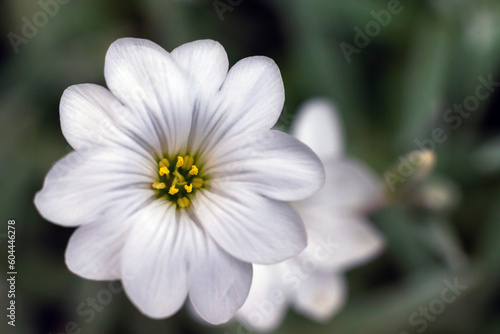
(178, 179)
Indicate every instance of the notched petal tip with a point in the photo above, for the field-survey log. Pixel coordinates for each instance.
(132, 41)
(270, 72)
(200, 44)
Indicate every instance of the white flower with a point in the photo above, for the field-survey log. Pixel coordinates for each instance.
(177, 182)
(339, 235)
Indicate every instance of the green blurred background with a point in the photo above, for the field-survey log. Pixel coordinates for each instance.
(394, 91)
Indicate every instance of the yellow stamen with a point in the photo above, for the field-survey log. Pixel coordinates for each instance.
(197, 182)
(189, 188)
(194, 170)
(164, 171)
(183, 202)
(159, 185)
(173, 190)
(180, 161)
(188, 162)
(164, 163)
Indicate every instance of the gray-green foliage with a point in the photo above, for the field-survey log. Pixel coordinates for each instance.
(393, 92)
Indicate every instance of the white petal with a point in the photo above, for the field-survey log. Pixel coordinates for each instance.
(91, 116)
(194, 314)
(205, 64)
(275, 165)
(95, 250)
(340, 240)
(145, 78)
(155, 260)
(250, 100)
(218, 282)
(267, 301)
(318, 126)
(88, 114)
(320, 296)
(83, 185)
(249, 226)
(350, 185)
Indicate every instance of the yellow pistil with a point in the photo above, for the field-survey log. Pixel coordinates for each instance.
(183, 202)
(164, 163)
(178, 177)
(188, 162)
(173, 190)
(164, 171)
(159, 185)
(189, 188)
(180, 161)
(194, 170)
(197, 182)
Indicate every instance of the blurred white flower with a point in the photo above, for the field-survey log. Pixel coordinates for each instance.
(339, 235)
(177, 181)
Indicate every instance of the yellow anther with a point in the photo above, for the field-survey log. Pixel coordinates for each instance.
(197, 182)
(164, 163)
(180, 161)
(194, 170)
(164, 171)
(159, 185)
(183, 202)
(188, 162)
(189, 188)
(173, 190)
